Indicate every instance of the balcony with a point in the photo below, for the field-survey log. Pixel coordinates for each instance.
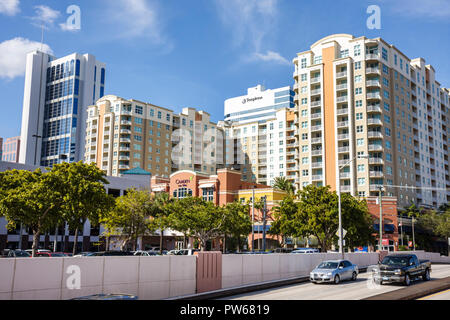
(346, 188)
(375, 108)
(373, 70)
(342, 111)
(376, 174)
(316, 128)
(376, 161)
(124, 149)
(372, 56)
(374, 121)
(374, 134)
(344, 136)
(342, 99)
(375, 147)
(316, 165)
(125, 140)
(315, 80)
(342, 124)
(375, 187)
(373, 95)
(316, 115)
(316, 92)
(316, 140)
(343, 149)
(373, 83)
(345, 175)
(341, 87)
(293, 168)
(125, 123)
(124, 158)
(343, 162)
(317, 177)
(316, 103)
(125, 131)
(317, 152)
(341, 74)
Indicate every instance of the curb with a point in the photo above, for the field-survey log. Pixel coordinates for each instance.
(416, 291)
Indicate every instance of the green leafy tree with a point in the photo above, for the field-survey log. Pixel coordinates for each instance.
(30, 198)
(197, 218)
(284, 218)
(237, 221)
(130, 218)
(83, 194)
(160, 215)
(284, 184)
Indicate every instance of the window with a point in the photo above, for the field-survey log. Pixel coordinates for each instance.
(361, 181)
(358, 91)
(359, 116)
(384, 54)
(360, 142)
(358, 65)
(361, 168)
(208, 194)
(182, 193)
(359, 129)
(358, 78)
(139, 110)
(303, 63)
(357, 50)
(359, 103)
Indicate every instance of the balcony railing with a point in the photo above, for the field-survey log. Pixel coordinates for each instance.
(316, 128)
(317, 177)
(342, 124)
(344, 136)
(342, 87)
(373, 95)
(316, 152)
(342, 111)
(342, 99)
(317, 115)
(341, 74)
(316, 103)
(375, 147)
(375, 121)
(375, 108)
(316, 165)
(372, 70)
(343, 149)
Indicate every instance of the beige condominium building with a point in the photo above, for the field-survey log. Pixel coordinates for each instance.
(126, 134)
(260, 134)
(360, 96)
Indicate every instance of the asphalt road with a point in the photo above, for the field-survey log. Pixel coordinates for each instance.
(443, 295)
(362, 288)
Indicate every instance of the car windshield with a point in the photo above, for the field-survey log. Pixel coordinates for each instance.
(22, 254)
(396, 261)
(58, 255)
(328, 265)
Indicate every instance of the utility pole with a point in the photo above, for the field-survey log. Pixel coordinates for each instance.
(381, 218)
(264, 222)
(20, 236)
(414, 239)
(253, 220)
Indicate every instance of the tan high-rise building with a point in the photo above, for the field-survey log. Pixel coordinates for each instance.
(126, 134)
(360, 96)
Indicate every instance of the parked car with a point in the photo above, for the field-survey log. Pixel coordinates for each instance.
(51, 254)
(82, 254)
(306, 250)
(108, 297)
(146, 253)
(401, 268)
(18, 254)
(186, 252)
(334, 271)
(30, 251)
(172, 252)
(110, 253)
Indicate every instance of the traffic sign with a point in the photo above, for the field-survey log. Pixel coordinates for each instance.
(344, 232)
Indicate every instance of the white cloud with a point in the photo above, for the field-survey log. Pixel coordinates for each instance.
(251, 22)
(13, 56)
(420, 8)
(45, 16)
(9, 7)
(138, 18)
(271, 56)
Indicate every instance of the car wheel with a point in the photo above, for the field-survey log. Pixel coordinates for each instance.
(407, 280)
(354, 276)
(426, 276)
(337, 279)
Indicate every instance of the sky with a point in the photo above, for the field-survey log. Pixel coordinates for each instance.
(198, 53)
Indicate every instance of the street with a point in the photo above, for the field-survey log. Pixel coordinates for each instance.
(348, 290)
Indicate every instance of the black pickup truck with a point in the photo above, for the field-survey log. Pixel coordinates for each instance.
(401, 268)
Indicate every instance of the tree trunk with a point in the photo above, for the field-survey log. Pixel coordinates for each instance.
(36, 234)
(239, 243)
(224, 243)
(161, 236)
(55, 243)
(75, 241)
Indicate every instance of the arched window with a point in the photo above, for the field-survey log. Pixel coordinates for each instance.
(182, 193)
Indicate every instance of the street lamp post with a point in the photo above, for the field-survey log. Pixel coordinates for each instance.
(253, 220)
(341, 238)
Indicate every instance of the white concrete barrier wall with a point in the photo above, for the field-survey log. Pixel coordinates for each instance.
(239, 270)
(150, 278)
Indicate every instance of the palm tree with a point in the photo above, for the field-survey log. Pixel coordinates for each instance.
(413, 211)
(284, 184)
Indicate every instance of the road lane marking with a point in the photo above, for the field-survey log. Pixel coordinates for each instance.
(434, 294)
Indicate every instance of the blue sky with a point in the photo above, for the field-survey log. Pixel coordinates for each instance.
(197, 53)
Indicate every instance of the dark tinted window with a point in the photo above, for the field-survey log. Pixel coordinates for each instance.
(347, 264)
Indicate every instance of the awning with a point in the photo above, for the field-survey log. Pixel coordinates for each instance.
(207, 185)
(159, 189)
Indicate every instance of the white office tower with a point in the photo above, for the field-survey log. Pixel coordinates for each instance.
(56, 96)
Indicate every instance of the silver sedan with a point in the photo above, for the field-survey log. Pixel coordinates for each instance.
(334, 271)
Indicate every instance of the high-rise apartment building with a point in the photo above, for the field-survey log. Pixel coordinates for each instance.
(10, 149)
(56, 96)
(126, 134)
(260, 134)
(360, 96)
